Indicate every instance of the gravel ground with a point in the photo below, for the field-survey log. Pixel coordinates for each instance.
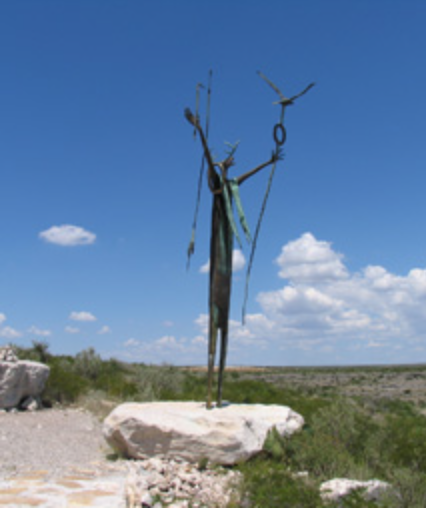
(54, 440)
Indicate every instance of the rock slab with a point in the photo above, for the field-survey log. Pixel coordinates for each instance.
(20, 380)
(189, 431)
(335, 489)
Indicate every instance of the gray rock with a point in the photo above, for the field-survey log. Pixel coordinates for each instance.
(30, 403)
(19, 380)
(7, 354)
(335, 489)
(188, 430)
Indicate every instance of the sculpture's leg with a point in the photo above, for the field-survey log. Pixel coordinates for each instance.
(212, 354)
(223, 351)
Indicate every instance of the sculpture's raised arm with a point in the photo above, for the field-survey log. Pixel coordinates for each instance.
(276, 156)
(195, 121)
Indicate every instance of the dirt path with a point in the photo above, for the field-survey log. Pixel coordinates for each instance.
(52, 439)
(57, 458)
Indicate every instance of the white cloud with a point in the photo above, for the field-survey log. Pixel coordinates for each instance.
(310, 260)
(105, 329)
(40, 333)
(168, 323)
(167, 340)
(9, 333)
(321, 314)
(71, 329)
(199, 339)
(82, 316)
(323, 309)
(131, 343)
(68, 236)
(238, 262)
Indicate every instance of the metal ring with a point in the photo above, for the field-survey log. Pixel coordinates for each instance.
(280, 134)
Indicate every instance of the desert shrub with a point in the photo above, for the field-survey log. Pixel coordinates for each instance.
(39, 352)
(116, 380)
(356, 500)
(159, 382)
(335, 442)
(190, 387)
(275, 445)
(382, 406)
(409, 489)
(402, 442)
(88, 364)
(272, 485)
(63, 385)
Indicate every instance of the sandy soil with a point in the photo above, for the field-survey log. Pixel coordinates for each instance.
(51, 439)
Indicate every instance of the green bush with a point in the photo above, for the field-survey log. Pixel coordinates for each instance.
(273, 486)
(159, 382)
(336, 442)
(39, 352)
(63, 385)
(403, 441)
(88, 364)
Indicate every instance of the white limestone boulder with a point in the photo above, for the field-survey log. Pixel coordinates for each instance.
(372, 490)
(189, 431)
(20, 380)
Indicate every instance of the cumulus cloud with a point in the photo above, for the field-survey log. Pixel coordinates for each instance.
(168, 341)
(68, 236)
(310, 260)
(40, 333)
(104, 330)
(322, 313)
(238, 262)
(131, 343)
(9, 333)
(324, 309)
(82, 316)
(72, 330)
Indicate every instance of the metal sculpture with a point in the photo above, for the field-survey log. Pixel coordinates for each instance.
(225, 193)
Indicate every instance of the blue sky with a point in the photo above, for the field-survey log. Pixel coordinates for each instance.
(99, 172)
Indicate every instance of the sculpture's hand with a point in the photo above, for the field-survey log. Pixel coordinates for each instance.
(277, 155)
(192, 119)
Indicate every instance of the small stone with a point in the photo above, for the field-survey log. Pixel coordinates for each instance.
(301, 474)
(155, 464)
(340, 487)
(146, 498)
(154, 479)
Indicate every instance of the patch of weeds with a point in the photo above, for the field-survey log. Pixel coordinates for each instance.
(275, 445)
(334, 444)
(158, 382)
(271, 484)
(409, 489)
(202, 464)
(403, 441)
(63, 385)
(261, 392)
(356, 500)
(114, 457)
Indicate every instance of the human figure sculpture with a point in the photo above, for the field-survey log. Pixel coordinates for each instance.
(223, 230)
